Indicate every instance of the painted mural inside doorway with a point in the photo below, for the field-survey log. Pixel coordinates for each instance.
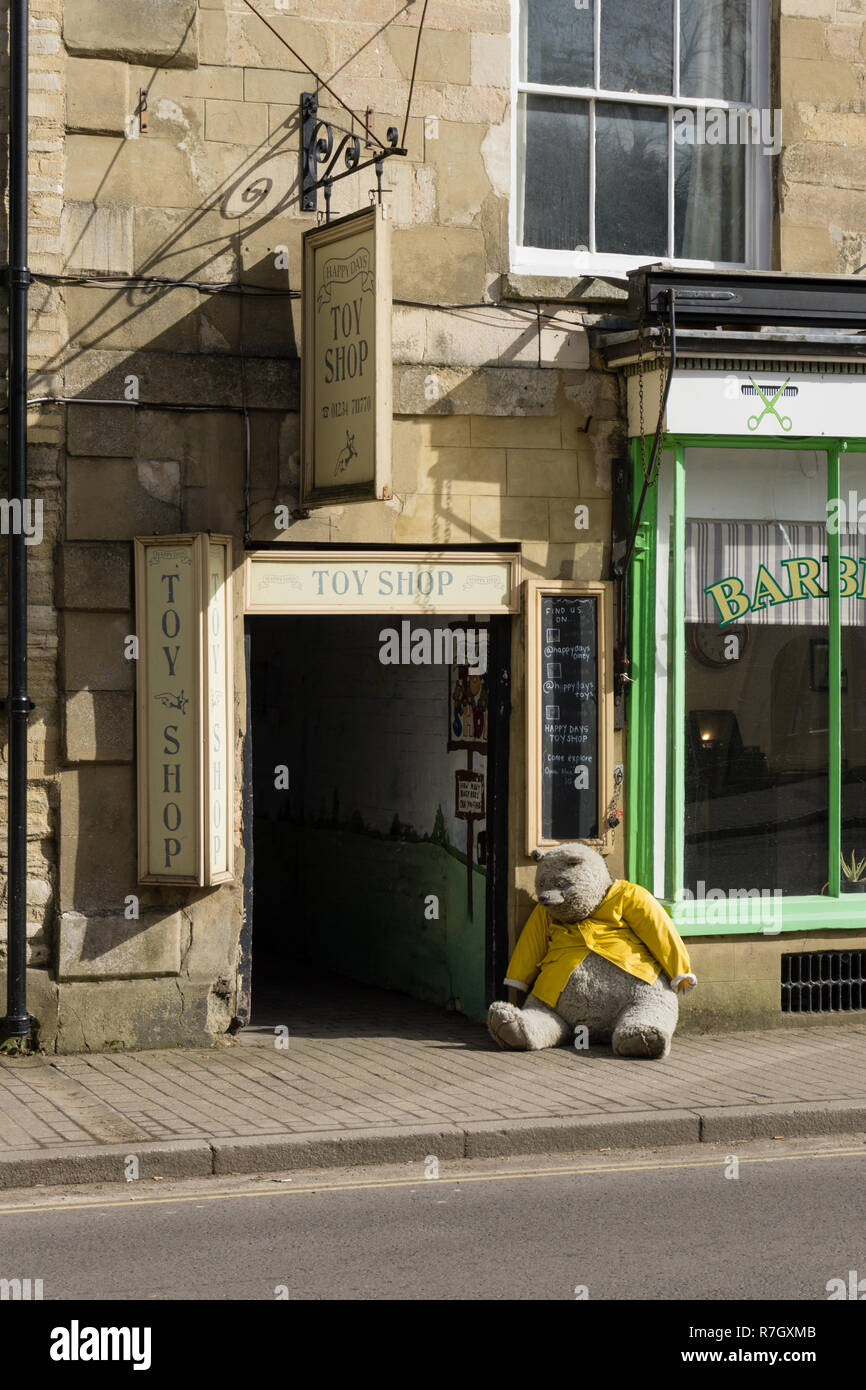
(372, 861)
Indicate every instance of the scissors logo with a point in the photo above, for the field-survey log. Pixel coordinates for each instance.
(769, 405)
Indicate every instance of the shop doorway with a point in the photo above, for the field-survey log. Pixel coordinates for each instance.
(376, 779)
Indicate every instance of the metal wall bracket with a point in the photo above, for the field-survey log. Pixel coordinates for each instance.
(318, 148)
(15, 277)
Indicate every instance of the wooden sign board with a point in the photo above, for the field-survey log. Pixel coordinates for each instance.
(383, 581)
(217, 697)
(569, 686)
(346, 360)
(184, 691)
(469, 795)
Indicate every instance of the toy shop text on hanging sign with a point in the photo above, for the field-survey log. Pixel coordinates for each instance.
(346, 360)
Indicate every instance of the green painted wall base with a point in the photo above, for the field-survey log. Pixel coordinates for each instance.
(364, 899)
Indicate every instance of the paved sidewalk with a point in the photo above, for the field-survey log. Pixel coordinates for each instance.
(379, 1078)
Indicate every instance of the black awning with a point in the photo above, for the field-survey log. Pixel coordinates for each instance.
(750, 298)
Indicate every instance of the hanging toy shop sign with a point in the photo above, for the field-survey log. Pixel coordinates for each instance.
(346, 360)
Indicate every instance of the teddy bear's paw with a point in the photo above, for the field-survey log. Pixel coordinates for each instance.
(641, 1040)
(504, 1025)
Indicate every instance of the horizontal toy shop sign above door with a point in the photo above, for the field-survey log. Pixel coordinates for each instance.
(766, 404)
(385, 581)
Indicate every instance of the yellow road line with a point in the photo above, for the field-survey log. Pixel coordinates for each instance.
(420, 1181)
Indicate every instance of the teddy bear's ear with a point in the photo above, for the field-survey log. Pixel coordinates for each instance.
(538, 855)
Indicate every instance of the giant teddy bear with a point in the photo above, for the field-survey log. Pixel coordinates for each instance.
(594, 952)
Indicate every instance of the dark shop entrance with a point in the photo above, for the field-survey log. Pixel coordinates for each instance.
(378, 770)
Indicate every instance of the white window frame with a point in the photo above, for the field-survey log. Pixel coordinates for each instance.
(531, 260)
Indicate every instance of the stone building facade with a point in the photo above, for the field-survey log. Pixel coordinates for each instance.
(164, 150)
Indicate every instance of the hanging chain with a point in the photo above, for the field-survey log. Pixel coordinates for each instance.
(640, 331)
(664, 334)
(614, 812)
(664, 370)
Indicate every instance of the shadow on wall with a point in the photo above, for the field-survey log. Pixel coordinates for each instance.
(132, 470)
(225, 364)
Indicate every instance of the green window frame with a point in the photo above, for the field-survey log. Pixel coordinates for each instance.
(833, 910)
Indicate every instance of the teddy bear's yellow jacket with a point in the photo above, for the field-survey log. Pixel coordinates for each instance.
(628, 927)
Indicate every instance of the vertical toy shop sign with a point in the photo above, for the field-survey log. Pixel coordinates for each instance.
(346, 360)
(218, 695)
(183, 609)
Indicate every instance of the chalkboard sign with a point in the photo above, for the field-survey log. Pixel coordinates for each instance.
(569, 718)
(569, 709)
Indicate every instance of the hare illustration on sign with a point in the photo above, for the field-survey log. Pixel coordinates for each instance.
(346, 455)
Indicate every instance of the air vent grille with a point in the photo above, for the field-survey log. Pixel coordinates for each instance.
(823, 982)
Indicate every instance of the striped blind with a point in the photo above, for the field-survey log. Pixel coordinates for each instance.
(717, 550)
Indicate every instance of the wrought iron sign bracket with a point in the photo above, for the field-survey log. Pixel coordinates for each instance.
(318, 148)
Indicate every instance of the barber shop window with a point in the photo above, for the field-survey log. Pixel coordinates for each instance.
(757, 671)
(642, 132)
(758, 636)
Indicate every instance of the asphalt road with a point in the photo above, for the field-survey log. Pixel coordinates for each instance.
(662, 1225)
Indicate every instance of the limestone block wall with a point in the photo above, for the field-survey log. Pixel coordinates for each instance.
(740, 980)
(179, 148)
(164, 146)
(822, 95)
(45, 463)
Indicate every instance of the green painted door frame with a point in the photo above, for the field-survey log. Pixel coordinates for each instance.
(834, 909)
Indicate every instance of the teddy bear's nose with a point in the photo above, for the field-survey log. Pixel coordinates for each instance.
(551, 897)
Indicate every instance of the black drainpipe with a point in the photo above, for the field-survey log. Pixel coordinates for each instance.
(17, 1022)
